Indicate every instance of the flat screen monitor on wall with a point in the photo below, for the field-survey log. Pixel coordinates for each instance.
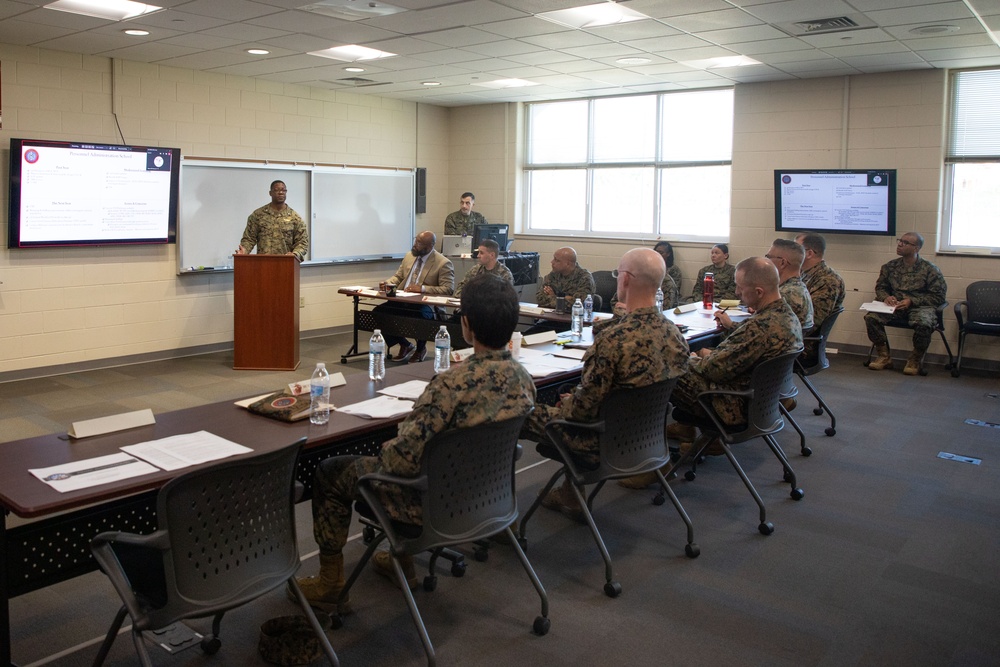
(836, 201)
(496, 232)
(79, 193)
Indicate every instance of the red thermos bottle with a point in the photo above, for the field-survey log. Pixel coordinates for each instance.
(708, 291)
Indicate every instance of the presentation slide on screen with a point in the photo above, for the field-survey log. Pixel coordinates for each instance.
(849, 202)
(92, 192)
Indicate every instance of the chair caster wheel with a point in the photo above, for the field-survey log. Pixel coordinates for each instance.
(481, 555)
(541, 626)
(692, 550)
(367, 534)
(690, 475)
(210, 645)
(807, 451)
(659, 499)
(766, 528)
(922, 372)
(458, 569)
(430, 583)
(954, 372)
(612, 589)
(797, 494)
(831, 431)
(817, 411)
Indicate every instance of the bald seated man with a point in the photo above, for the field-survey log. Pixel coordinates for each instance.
(567, 278)
(639, 348)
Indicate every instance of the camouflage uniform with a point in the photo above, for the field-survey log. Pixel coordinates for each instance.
(670, 295)
(924, 285)
(796, 294)
(637, 350)
(500, 271)
(725, 282)
(826, 288)
(675, 274)
(577, 285)
(276, 233)
(773, 330)
(489, 386)
(456, 223)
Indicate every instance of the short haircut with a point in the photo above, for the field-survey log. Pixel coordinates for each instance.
(469, 195)
(670, 249)
(273, 183)
(723, 247)
(791, 250)
(920, 239)
(759, 272)
(489, 304)
(814, 242)
(490, 245)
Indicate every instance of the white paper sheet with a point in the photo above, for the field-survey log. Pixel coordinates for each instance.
(380, 407)
(878, 307)
(188, 449)
(409, 390)
(538, 338)
(570, 353)
(92, 472)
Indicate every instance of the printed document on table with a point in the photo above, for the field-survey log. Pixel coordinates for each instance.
(188, 449)
(409, 390)
(878, 307)
(381, 407)
(92, 472)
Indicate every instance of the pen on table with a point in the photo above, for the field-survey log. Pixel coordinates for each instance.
(66, 475)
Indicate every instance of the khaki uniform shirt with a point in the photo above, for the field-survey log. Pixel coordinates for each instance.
(276, 232)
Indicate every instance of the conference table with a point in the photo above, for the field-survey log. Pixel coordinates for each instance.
(56, 545)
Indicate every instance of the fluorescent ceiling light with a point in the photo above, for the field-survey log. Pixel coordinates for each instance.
(716, 63)
(632, 60)
(136, 33)
(352, 53)
(258, 52)
(354, 69)
(111, 10)
(431, 83)
(500, 84)
(592, 16)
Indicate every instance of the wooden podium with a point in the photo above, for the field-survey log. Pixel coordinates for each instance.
(266, 312)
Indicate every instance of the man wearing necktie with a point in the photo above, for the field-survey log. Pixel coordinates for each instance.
(423, 271)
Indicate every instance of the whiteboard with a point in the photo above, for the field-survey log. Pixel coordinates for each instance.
(353, 214)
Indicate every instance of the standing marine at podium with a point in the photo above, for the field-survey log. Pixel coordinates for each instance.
(275, 228)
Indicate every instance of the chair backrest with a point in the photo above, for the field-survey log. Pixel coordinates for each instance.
(470, 482)
(983, 301)
(231, 529)
(633, 427)
(767, 381)
(606, 285)
(823, 333)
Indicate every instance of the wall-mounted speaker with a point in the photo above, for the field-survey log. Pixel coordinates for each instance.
(420, 200)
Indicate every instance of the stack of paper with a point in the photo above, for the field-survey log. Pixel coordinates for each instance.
(381, 407)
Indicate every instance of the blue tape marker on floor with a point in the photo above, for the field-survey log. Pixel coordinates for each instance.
(979, 422)
(959, 458)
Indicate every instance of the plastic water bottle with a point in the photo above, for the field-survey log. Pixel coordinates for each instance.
(588, 308)
(577, 321)
(442, 350)
(376, 356)
(319, 395)
(708, 291)
(659, 299)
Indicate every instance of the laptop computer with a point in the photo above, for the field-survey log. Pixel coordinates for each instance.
(454, 245)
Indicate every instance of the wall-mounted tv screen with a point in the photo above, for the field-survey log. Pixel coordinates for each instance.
(76, 193)
(837, 201)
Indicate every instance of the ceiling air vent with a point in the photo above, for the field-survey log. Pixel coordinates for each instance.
(825, 26)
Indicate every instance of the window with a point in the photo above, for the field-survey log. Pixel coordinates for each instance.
(640, 167)
(972, 195)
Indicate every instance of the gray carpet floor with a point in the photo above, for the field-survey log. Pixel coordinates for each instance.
(892, 557)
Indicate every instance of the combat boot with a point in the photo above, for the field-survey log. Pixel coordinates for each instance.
(323, 590)
(913, 363)
(678, 431)
(884, 359)
(382, 563)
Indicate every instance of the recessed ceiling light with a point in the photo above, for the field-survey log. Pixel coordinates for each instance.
(258, 52)
(136, 33)
(632, 61)
(592, 16)
(430, 83)
(354, 69)
(506, 83)
(111, 10)
(934, 29)
(352, 53)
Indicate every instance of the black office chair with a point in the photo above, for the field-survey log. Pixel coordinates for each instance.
(466, 485)
(814, 360)
(630, 432)
(764, 419)
(939, 327)
(226, 536)
(981, 316)
(606, 286)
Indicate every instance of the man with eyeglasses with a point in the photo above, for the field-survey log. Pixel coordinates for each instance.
(787, 257)
(915, 288)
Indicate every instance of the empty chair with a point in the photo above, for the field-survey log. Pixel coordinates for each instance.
(466, 486)
(631, 440)
(764, 419)
(981, 315)
(226, 536)
(814, 360)
(606, 286)
(939, 327)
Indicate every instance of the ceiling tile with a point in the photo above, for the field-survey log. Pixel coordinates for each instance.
(720, 20)
(522, 27)
(469, 13)
(565, 40)
(459, 37)
(848, 37)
